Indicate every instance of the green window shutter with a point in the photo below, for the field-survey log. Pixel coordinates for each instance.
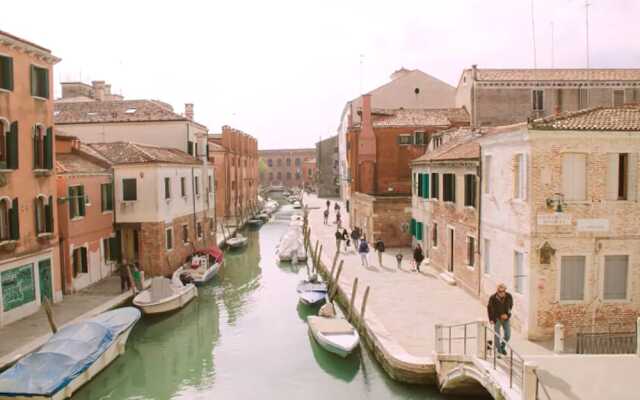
(110, 196)
(425, 186)
(7, 72)
(34, 147)
(36, 217)
(71, 199)
(14, 220)
(419, 185)
(413, 227)
(48, 214)
(83, 256)
(103, 197)
(45, 83)
(48, 149)
(419, 231)
(12, 146)
(34, 81)
(81, 201)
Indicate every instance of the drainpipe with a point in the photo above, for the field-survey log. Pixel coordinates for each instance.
(480, 191)
(193, 185)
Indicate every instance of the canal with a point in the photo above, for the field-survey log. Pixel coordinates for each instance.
(244, 337)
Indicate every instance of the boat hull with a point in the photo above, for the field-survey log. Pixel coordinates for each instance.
(211, 272)
(110, 354)
(236, 244)
(167, 305)
(312, 298)
(340, 344)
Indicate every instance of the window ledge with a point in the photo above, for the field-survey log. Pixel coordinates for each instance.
(45, 235)
(78, 218)
(3, 90)
(6, 170)
(8, 244)
(42, 172)
(570, 302)
(39, 98)
(107, 212)
(616, 301)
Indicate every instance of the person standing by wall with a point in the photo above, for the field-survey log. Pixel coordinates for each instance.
(338, 236)
(499, 311)
(363, 250)
(380, 249)
(326, 216)
(418, 256)
(338, 219)
(345, 238)
(355, 237)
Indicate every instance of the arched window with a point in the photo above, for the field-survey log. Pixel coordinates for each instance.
(288, 162)
(5, 209)
(42, 147)
(43, 213)
(8, 144)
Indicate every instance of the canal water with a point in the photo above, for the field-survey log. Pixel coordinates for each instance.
(243, 337)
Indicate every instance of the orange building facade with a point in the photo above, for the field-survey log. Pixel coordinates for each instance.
(29, 259)
(285, 167)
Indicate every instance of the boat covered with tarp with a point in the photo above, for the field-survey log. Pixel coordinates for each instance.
(204, 264)
(70, 358)
(291, 246)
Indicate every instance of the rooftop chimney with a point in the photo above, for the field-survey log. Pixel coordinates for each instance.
(399, 73)
(188, 111)
(474, 72)
(98, 90)
(366, 150)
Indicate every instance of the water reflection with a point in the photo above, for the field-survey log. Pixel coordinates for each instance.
(344, 369)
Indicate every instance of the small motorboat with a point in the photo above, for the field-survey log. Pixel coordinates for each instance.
(70, 358)
(312, 292)
(297, 204)
(255, 222)
(204, 264)
(237, 241)
(165, 295)
(263, 216)
(334, 334)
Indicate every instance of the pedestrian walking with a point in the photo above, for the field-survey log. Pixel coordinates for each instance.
(355, 237)
(399, 257)
(338, 219)
(418, 256)
(328, 205)
(326, 216)
(499, 310)
(363, 250)
(379, 246)
(336, 207)
(338, 236)
(345, 238)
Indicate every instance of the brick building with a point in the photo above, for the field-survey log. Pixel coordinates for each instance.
(381, 147)
(29, 257)
(89, 247)
(506, 96)
(161, 203)
(234, 154)
(445, 218)
(328, 167)
(284, 166)
(559, 219)
(310, 174)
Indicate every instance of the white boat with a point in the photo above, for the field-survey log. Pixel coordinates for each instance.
(70, 358)
(311, 293)
(165, 295)
(255, 222)
(335, 335)
(237, 241)
(263, 216)
(291, 246)
(297, 204)
(204, 264)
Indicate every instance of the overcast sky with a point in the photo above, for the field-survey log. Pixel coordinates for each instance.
(282, 70)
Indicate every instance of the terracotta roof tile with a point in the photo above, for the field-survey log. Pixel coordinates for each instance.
(626, 118)
(76, 163)
(119, 153)
(465, 146)
(418, 117)
(558, 74)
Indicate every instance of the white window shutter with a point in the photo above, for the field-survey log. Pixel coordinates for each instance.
(632, 184)
(525, 176)
(612, 176)
(579, 170)
(568, 176)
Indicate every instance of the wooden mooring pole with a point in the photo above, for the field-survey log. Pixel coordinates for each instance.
(334, 288)
(49, 311)
(318, 259)
(354, 289)
(363, 308)
(333, 264)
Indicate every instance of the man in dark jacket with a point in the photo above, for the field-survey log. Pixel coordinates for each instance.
(499, 310)
(379, 246)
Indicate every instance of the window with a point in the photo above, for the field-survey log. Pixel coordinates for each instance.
(129, 189)
(572, 274)
(616, 273)
(288, 175)
(110, 249)
(39, 82)
(435, 185)
(538, 100)
(420, 138)
(487, 256)
(486, 169)
(167, 188)
(5, 225)
(183, 186)
(297, 162)
(471, 251)
(470, 190)
(76, 201)
(434, 235)
(168, 238)
(279, 175)
(8, 145)
(621, 173)
(618, 98)
(210, 183)
(520, 177)
(279, 162)
(199, 230)
(196, 185)
(190, 147)
(519, 277)
(6, 73)
(79, 258)
(288, 162)
(437, 142)
(185, 233)
(574, 176)
(405, 139)
(42, 147)
(298, 176)
(106, 194)
(309, 172)
(449, 187)
(419, 230)
(43, 214)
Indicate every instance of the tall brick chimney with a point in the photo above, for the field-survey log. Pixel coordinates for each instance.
(98, 90)
(366, 150)
(474, 72)
(188, 111)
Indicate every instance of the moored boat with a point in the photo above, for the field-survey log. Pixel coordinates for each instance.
(70, 358)
(297, 204)
(255, 222)
(237, 241)
(165, 295)
(334, 334)
(204, 264)
(312, 292)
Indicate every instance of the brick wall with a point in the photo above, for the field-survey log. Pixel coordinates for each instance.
(383, 217)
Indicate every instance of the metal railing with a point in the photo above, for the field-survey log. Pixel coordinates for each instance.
(606, 343)
(540, 385)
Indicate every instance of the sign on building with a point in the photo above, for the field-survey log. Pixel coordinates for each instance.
(554, 219)
(592, 225)
(18, 287)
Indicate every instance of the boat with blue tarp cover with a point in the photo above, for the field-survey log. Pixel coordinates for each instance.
(70, 358)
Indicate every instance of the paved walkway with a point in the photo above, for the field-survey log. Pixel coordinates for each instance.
(27, 334)
(403, 306)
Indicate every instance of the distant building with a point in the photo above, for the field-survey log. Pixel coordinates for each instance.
(381, 148)
(328, 167)
(507, 96)
(411, 89)
(89, 247)
(161, 203)
(234, 154)
(284, 167)
(310, 174)
(559, 212)
(29, 257)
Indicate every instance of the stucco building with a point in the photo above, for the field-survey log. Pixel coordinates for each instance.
(445, 203)
(284, 167)
(234, 155)
(411, 89)
(381, 147)
(505, 96)
(328, 167)
(89, 247)
(163, 203)
(29, 260)
(559, 219)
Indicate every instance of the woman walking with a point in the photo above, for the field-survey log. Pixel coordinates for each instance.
(418, 256)
(355, 237)
(363, 249)
(345, 237)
